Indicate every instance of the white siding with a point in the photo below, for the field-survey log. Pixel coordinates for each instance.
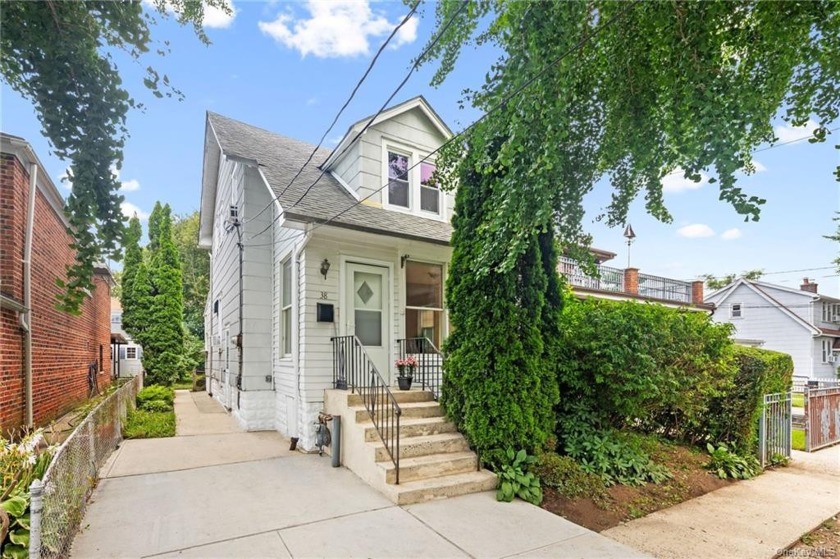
(823, 370)
(337, 245)
(761, 320)
(361, 167)
(283, 368)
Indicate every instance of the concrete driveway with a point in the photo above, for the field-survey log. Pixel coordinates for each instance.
(214, 491)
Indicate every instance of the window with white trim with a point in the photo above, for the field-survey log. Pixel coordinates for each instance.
(735, 310)
(116, 318)
(411, 182)
(286, 308)
(131, 352)
(424, 301)
(826, 350)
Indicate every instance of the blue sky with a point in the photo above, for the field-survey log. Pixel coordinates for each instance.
(288, 67)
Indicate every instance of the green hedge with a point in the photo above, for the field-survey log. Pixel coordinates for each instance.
(629, 365)
(733, 416)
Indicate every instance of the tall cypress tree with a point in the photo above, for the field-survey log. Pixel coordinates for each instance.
(500, 383)
(163, 340)
(133, 260)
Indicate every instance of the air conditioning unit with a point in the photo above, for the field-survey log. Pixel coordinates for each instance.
(832, 358)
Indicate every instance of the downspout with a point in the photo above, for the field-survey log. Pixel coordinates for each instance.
(296, 313)
(26, 316)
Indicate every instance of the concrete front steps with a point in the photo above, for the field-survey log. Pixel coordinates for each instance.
(435, 460)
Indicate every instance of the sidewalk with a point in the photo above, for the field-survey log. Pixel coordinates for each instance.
(216, 491)
(751, 519)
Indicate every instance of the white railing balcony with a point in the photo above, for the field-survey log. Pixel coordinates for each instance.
(611, 279)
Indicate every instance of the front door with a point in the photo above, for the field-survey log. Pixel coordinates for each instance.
(368, 312)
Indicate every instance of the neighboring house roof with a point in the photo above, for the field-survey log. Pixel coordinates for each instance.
(279, 158)
(760, 288)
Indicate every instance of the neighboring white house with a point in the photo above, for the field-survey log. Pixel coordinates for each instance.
(125, 354)
(800, 322)
(357, 244)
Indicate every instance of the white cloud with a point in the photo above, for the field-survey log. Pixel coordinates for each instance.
(676, 181)
(64, 180)
(339, 28)
(311, 101)
(759, 168)
(130, 186)
(731, 234)
(696, 231)
(334, 140)
(130, 210)
(216, 18)
(787, 133)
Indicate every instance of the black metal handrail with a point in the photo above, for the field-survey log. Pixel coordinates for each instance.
(354, 369)
(429, 372)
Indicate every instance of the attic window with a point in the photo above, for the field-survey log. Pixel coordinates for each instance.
(735, 310)
(398, 194)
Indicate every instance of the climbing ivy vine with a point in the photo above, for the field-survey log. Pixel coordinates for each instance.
(61, 57)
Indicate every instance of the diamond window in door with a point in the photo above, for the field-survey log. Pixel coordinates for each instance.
(367, 289)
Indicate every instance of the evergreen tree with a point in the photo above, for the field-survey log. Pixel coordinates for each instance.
(195, 271)
(163, 339)
(159, 214)
(131, 264)
(142, 301)
(500, 381)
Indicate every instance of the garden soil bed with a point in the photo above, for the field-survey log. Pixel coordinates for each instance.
(822, 542)
(623, 503)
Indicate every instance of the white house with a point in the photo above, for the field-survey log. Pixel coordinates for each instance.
(799, 322)
(126, 355)
(362, 234)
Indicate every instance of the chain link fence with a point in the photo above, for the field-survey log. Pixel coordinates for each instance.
(59, 500)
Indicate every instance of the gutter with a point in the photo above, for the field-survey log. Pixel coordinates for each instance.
(26, 316)
(296, 254)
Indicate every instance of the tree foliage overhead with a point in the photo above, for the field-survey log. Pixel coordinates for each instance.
(632, 91)
(60, 56)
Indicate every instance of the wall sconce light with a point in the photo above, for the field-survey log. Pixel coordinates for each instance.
(325, 267)
(403, 258)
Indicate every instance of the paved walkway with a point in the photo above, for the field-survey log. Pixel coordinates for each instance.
(751, 519)
(215, 491)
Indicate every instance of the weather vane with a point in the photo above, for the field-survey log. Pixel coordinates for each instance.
(629, 235)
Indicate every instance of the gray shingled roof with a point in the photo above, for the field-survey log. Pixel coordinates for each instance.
(280, 158)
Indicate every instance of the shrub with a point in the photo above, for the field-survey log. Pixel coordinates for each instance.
(733, 416)
(640, 366)
(156, 392)
(20, 464)
(156, 406)
(500, 381)
(567, 476)
(515, 480)
(726, 463)
(142, 424)
(614, 457)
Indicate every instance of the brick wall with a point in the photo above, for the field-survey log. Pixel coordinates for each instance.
(63, 345)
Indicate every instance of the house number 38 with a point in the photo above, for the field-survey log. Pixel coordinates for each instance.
(324, 296)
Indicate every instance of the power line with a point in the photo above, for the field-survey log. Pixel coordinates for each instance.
(800, 270)
(502, 103)
(343, 107)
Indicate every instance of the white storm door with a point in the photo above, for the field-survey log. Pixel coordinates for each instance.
(368, 315)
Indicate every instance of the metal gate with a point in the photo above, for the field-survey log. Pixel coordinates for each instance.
(822, 417)
(774, 431)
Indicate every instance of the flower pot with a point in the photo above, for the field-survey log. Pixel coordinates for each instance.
(404, 383)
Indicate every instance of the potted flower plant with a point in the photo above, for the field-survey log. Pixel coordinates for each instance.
(406, 368)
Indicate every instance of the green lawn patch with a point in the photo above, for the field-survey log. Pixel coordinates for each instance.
(798, 400)
(798, 441)
(142, 424)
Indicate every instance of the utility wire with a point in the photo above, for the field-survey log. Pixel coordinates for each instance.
(343, 107)
(387, 102)
(580, 44)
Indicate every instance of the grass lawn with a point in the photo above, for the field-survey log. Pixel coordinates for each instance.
(798, 442)
(798, 400)
(142, 424)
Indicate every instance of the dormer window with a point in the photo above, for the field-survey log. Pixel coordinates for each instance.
(398, 187)
(411, 187)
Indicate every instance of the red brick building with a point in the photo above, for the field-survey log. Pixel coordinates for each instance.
(63, 346)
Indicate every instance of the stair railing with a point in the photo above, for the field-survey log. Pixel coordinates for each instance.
(429, 362)
(353, 369)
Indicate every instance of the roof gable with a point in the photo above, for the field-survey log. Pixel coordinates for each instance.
(756, 288)
(419, 103)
